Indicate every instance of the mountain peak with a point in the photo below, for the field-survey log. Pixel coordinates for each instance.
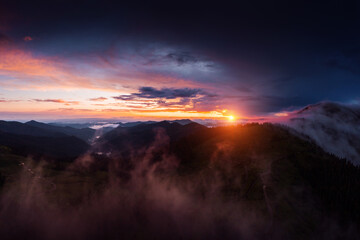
(33, 122)
(329, 106)
(344, 113)
(182, 121)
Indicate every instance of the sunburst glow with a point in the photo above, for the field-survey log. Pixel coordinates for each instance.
(231, 118)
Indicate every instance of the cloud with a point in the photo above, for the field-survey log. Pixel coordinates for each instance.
(3, 100)
(98, 99)
(166, 93)
(170, 99)
(57, 101)
(161, 207)
(172, 75)
(332, 126)
(244, 89)
(23, 69)
(182, 58)
(28, 38)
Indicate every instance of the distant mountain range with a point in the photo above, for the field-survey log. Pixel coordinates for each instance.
(111, 124)
(85, 134)
(65, 142)
(43, 140)
(334, 127)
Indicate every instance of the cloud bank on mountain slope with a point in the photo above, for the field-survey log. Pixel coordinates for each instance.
(334, 127)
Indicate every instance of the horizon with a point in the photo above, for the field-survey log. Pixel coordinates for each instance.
(282, 117)
(106, 121)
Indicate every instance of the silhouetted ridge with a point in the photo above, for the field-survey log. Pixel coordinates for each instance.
(26, 129)
(123, 140)
(58, 148)
(85, 134)
(137, 123)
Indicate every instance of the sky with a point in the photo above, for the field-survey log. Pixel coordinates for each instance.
(176, 59)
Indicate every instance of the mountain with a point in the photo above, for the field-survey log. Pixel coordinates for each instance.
(334, 127)
(254, 181)
(123, 140)
(58, 148)
(42, 140)
(25, 129)
(145, 133)
(133, 124)
(104, 124)
(73, 125)
(182, 121)
(268, 164)
(33, 128)
(85, 134)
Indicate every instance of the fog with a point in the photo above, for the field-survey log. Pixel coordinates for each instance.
(154, 203)
(332, 126)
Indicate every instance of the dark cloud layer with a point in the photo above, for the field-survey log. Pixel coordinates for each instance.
(180, 98)
(182, 58)
(166, 93)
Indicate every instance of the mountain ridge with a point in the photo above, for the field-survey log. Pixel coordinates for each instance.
(334, 127)
(85, 134)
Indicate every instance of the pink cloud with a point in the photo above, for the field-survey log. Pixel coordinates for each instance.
(98, 99)
(57, 101)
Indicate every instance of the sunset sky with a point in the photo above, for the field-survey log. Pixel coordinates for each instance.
(60, 59)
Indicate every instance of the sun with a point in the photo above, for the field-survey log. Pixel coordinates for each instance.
(231, 118)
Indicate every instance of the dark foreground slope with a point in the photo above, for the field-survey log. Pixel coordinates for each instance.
(302, 186)
(246, 182)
